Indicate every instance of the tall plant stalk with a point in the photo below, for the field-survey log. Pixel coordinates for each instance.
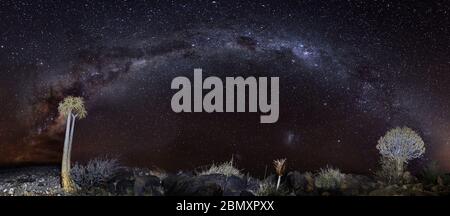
(280, 168)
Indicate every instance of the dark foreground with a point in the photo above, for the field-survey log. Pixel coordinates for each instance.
(44, 181)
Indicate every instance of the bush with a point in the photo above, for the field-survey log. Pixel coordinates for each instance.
(96, 172)
(225, 168)
(329, 179)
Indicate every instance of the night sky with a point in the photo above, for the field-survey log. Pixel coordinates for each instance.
(349, 71)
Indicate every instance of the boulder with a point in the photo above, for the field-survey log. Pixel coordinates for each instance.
(147, 185)
(252, 184)
(296, 182)
(183, 185)
(311, 182)
(246, 194)
(212, 185)
(231, 185)
(357, 185)
(122, 183)
(404, 190)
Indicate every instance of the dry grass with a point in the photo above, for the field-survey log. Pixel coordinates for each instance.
(329, 178)
(95, 173)
(226, 168)
(269, 189)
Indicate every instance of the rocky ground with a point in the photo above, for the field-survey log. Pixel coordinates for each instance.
(44, 181)
(32, 181)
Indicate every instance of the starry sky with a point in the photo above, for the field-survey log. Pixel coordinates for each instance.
(349, 71)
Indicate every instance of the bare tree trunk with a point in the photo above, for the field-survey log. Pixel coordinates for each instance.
(72, 129)
(66, 181)
(399, 168)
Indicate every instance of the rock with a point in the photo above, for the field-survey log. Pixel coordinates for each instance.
(418, 187)
(170, 182)
(231, 185)
(296, 181)
(330, 192)
(354, 185)
(186, 173)
(251, 184)
(404, 190)
(326, 193)
(122, 183)
(311, 182)
(440, 181)
(436, 188)
(183, 185)
(147, 185)
(24, 179)
(207, 189)
(212, 185)
(11, 191)
(246, 194)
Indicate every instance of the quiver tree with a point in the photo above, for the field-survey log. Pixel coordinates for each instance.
(71, 108)
(401, 145)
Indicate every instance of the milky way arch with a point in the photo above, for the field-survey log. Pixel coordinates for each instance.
(364, 97)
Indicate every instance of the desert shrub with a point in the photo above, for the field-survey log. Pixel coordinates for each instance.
(387, 171)
(95, 173)
(431, 173)
(226, 168)
(329, 179)
(266, 188)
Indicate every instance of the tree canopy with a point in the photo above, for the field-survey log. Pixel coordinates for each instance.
(401, 144)
(73, 105)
